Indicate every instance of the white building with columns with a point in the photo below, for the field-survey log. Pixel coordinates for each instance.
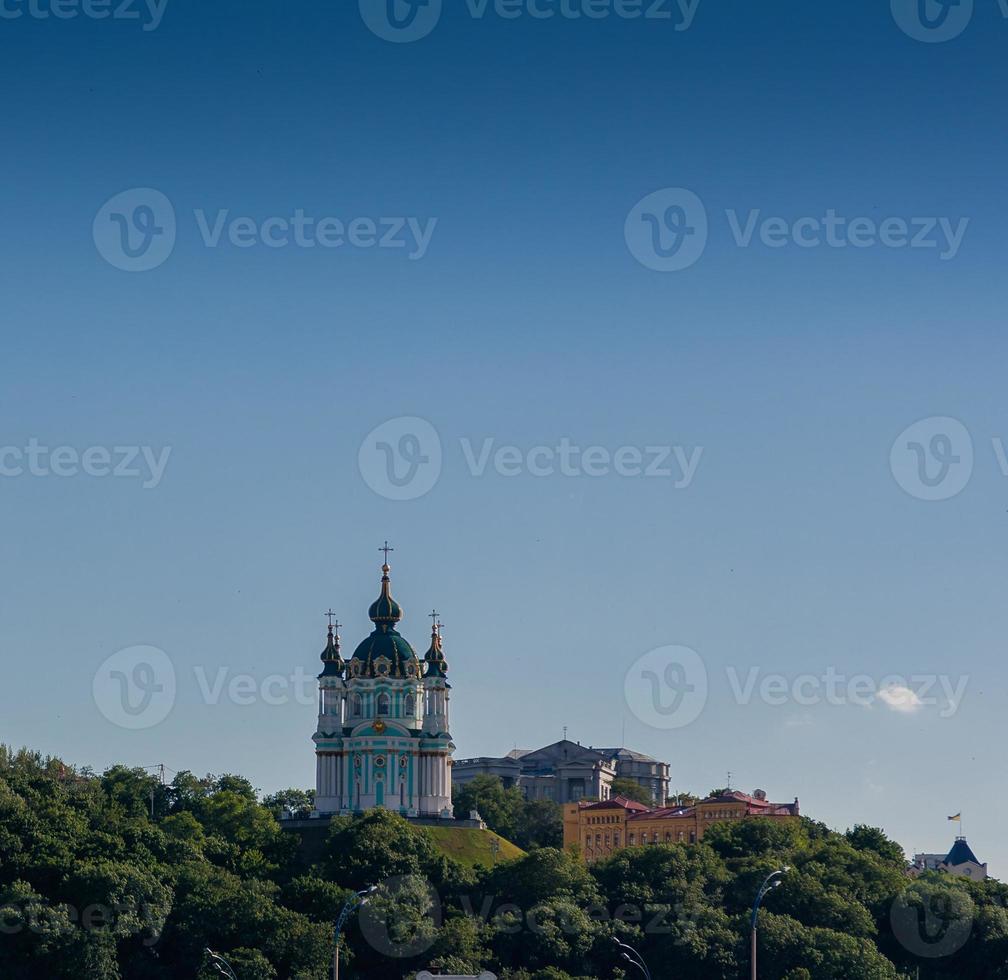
(383, 737)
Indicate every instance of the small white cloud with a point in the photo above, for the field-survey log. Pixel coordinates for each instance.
(901, 698)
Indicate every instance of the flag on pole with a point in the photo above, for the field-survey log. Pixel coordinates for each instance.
(958, 817)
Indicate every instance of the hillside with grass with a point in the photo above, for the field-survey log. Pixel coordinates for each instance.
(471, 847)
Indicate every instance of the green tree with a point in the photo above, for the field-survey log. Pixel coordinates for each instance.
(500, 807)
(631, 790)
(300, 802)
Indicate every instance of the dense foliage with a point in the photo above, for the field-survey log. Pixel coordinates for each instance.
(116, 876)
(528, 823)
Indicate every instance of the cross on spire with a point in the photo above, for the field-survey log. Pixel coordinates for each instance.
(331, 616)
(386, 548)
(433, 614)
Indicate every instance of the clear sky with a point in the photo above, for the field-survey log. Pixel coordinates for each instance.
(508, 157)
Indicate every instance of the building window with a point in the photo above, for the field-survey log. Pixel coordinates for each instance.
(631, 839)
(358, 705)
(383, 704)
(408, 704)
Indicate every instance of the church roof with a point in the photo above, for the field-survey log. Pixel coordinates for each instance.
(385, 653)
(385, 610)
(331, 659)
(961, 853)
(434, 659)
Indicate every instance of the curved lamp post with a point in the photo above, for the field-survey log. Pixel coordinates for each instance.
(354, 902)
(633, 958)
(770, 883)
(221, 965)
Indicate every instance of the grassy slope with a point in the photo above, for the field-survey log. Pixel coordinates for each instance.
(470, 846)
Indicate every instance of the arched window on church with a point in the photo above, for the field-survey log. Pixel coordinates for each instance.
(358, 705)
(383, 704)
(408, 705)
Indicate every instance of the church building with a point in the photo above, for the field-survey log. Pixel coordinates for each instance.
(383, 736)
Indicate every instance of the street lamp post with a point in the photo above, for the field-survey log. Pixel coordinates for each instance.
(633, 958)
(354, 902)
(221, 965)
(769, 884)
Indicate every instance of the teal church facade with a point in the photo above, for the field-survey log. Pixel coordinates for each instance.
(383, 736)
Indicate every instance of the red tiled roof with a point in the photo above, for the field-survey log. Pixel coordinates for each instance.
(662, 812)
(616, 803)
(637, 811)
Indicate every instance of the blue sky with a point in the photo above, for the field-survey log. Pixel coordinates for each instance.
(519, 147)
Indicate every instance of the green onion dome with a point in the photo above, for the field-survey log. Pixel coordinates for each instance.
(385, 653)
(385, 610)
(332, 661)
(434, 659)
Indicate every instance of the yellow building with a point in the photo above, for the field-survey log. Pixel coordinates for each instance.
(598, 830)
